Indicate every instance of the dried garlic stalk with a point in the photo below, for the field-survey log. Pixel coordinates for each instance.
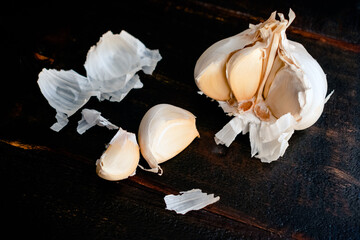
(270, 84)
(111, 68)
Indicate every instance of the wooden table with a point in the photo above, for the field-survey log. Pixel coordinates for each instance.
(50, 188)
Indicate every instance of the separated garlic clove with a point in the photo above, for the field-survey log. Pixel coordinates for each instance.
(164, 132)
(274, 84)
(121, 157)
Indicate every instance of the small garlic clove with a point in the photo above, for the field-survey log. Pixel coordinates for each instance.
(164, 132)
(121, 157)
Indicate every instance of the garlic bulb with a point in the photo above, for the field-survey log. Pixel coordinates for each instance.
(121, 157)
(165, 131)
(270, 84)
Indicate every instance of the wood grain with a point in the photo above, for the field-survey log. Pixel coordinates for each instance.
(51, 190)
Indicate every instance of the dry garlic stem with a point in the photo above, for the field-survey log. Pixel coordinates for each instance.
(120, 159)
(260, 77)
(165, 131)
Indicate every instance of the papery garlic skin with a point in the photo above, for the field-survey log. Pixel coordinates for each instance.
(165, 131)
(275, 86)
(112, 63)
(90, 118)
(121, 157)
(190, 200)
(111, 66)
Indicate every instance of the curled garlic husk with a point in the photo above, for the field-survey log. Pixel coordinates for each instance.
(111, 66)
(120, 159)
(271, 85)
(190, 200)
(165, 131)
(90, 118)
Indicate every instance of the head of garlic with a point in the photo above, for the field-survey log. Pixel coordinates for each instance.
(121, 157)
(165, 131)
(271, 85)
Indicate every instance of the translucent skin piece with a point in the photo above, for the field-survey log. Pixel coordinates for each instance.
(111, 66)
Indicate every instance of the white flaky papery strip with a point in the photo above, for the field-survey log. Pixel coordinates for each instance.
(111, 66)
(66, 92)
(193, 199)
(113, 62)
(90, 118)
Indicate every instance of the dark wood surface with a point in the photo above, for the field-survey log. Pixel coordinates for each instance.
(50, 188)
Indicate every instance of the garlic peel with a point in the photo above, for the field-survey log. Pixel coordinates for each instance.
(66, 91)
(165, 131)
(111, 66)
(190, 200)
(121, 157)
(90, 118)
(276, 86)
(114, 60)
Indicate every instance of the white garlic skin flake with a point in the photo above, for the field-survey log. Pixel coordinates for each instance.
(121, 157)
(165, 131)
(190, 200)
(259, 76)
(111, 72)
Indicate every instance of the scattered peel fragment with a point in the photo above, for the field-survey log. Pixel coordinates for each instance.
(90, 118)
(193, 199)
(111, 66)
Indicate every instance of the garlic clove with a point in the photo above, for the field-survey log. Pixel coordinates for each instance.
(209, 69)
(277, 65)
(313, 99)
(244, 72)
(283, 96)
(164, 132)
(213, 82)
(121, 157)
